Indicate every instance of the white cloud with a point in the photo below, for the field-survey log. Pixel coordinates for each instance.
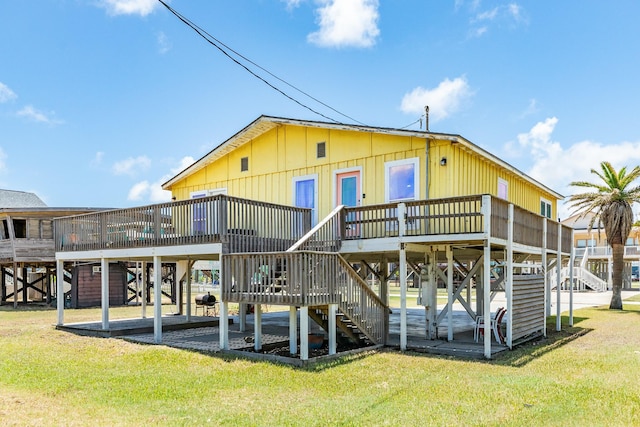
(292, 4)
(97, 159)
(505, 15)
(130, 7)
(473, 4)
(164, 45)
(557, 167)
(132, 165)
(30, 113)
(153, 191)
(6, 94)
(444, 100)
(532, 108)
(346, 23)
(538, 139)
(515, 11)
(185, 162)
(138, 191)
(489, 15)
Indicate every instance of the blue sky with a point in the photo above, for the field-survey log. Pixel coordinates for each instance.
(101, 101)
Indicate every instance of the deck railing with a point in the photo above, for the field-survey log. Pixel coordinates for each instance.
(303, 278)
(423, 217)
(251, 226)
(456, 215)
(605, 251)
(280, 278)
(243, 225)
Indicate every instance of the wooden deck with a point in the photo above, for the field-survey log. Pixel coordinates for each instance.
(250, 226)
(271, 255)
(240, 225)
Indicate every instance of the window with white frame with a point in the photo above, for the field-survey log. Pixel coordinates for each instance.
(402, 178)
(503, 189)
(545, 208)
(402, 183)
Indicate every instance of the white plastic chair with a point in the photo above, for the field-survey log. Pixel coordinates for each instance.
(496, 321)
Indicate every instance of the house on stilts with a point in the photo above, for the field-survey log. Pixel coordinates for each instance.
(27, 249)
(299, 213)
(593, 258)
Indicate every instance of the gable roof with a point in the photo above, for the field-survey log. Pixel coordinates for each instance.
(264, 124)
(580, 221)
(20, 199)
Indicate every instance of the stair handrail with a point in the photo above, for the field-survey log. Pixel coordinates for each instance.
(585, 257)
(369, 312)
(332, 224)
(590, 279)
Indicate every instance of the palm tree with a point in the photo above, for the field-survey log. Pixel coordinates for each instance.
(610, 203)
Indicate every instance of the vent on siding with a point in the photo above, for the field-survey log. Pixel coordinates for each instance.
(97, 269)
(321, 150)
(244, 164)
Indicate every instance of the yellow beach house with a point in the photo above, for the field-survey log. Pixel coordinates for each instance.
(321, 217)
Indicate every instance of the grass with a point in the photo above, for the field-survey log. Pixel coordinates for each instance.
(635, 298)
(584, 375)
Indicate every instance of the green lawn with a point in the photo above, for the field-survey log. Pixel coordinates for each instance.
(635, 298)
(586, 375)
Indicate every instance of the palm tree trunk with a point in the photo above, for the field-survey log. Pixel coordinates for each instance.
(618, 265)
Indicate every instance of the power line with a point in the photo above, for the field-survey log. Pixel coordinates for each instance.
(223, 48)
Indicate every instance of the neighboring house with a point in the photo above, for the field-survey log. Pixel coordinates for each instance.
(593, 256)
(27, 250)
(383, 203)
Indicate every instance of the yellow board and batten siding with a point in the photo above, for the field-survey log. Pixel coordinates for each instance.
(278, 156)
(468, 173)
(287, 151)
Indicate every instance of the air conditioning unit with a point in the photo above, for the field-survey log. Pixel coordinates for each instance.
(97, 269)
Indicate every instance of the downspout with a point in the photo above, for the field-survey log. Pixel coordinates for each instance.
(426, 149)
(426, 166)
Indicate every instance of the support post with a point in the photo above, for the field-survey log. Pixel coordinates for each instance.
(384, 294)
(188, 285)
(333, 343)
(48, 286)
(60, 291)
(104, 267)
(304, 333)
(293, 330)
(430, 295)
(558, 278)
(403, 297)
(242, 315)
(486, 273)
(449, 293)
(15, 285)
(545, 272)
(257, 327)
(25, 287)
(157, 299)
(143, 279)
(545, 277)
(224, 325)
(402, 227)
(571, 278)
(509, 277)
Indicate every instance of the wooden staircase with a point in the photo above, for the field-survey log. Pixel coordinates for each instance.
(360, 311)
(350, 333)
